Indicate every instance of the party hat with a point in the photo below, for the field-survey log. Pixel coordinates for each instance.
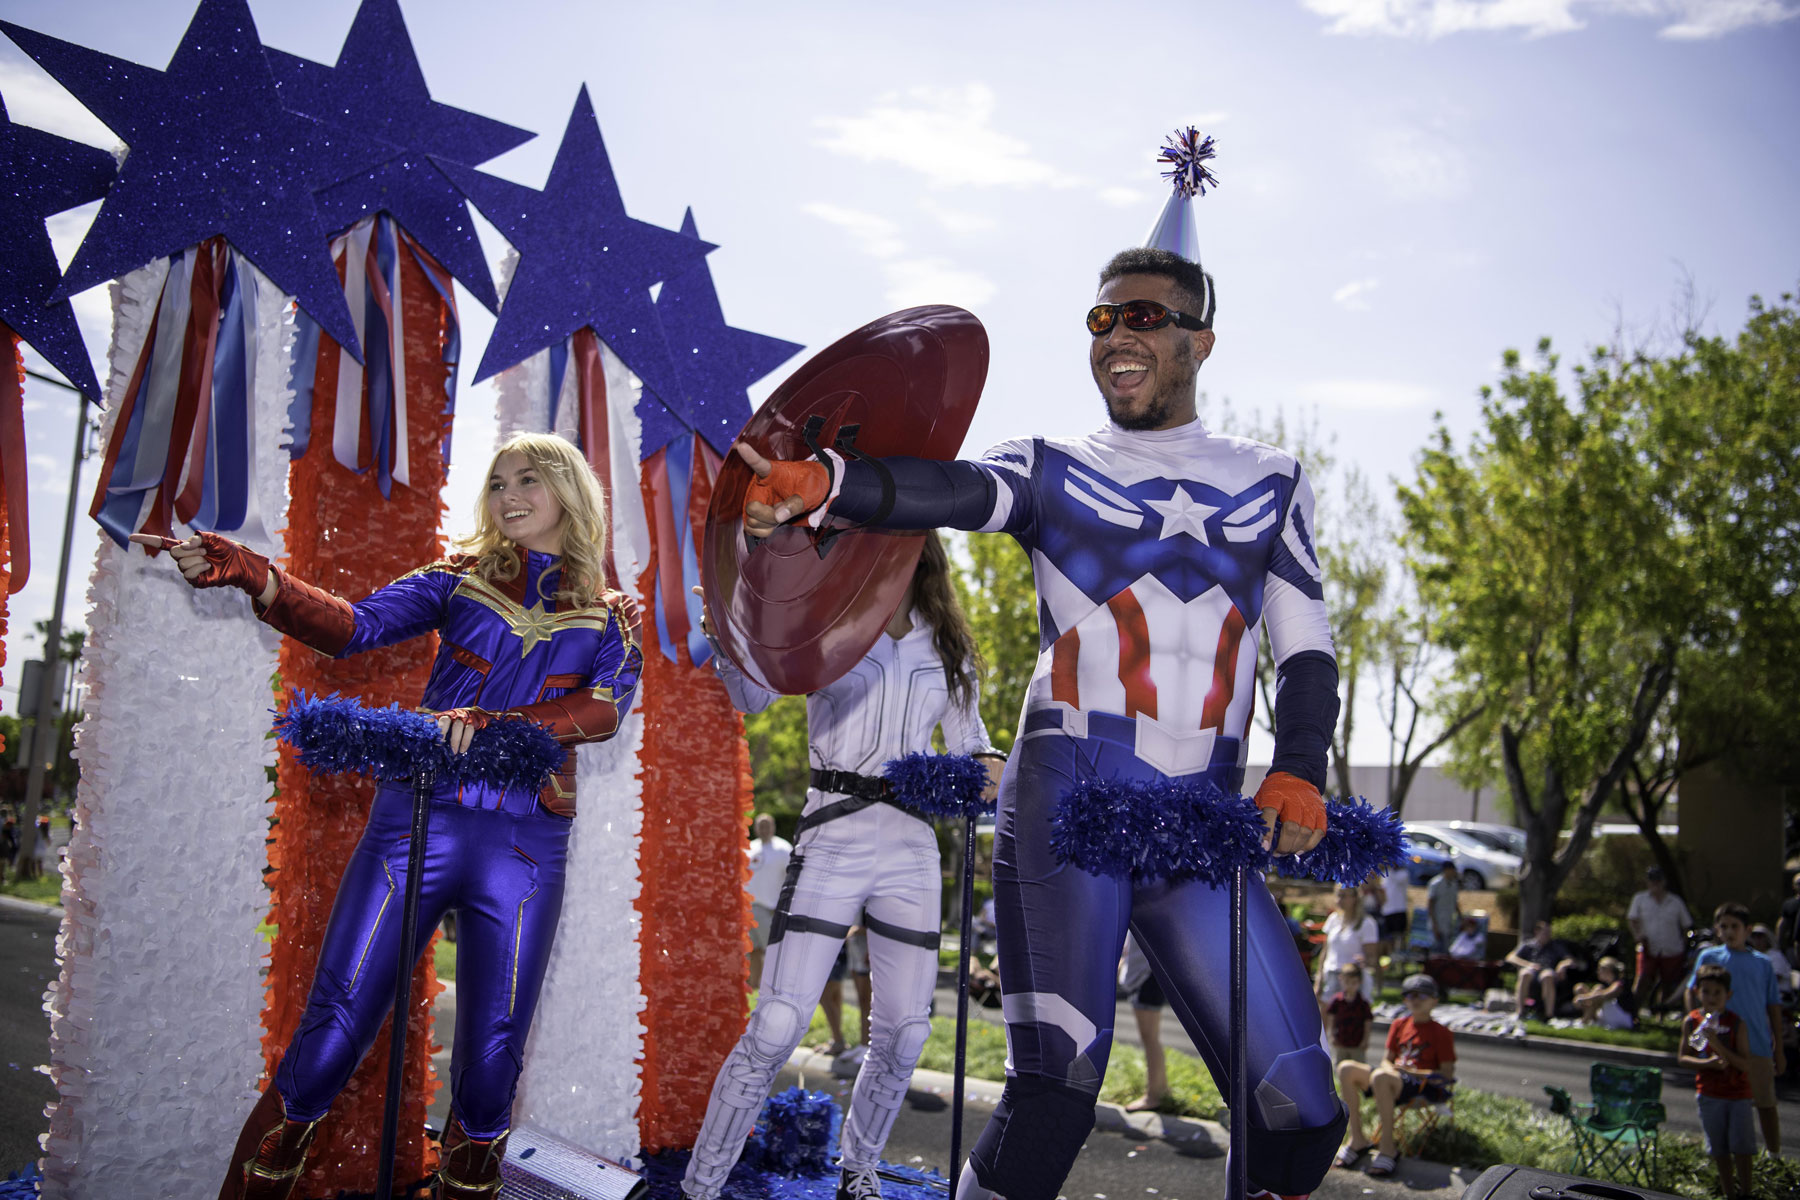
(1186, 152)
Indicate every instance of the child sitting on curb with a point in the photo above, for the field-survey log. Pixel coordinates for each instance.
(1604, 1003)
(1420, 1061)
(1713, 1043)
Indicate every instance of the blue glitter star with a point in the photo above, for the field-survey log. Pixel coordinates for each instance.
(716, 361)
(212, 152)
(377, 87)
(582, 262)
(41, 175)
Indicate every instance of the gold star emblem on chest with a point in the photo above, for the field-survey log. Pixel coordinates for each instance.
(533, 625)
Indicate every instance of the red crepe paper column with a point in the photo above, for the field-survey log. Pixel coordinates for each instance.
(697, 794)
(345, 537)
(15, 530)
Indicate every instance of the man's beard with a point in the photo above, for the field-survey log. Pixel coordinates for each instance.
(1172, 385)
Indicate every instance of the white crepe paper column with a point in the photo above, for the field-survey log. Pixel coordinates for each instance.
(155, 1031)
(581, 1077)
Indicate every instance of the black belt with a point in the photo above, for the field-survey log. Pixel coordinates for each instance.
(860, 791)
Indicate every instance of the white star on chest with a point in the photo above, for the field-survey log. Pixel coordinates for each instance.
(1181, 513)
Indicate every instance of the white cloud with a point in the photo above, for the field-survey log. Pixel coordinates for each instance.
(936, 281)
(1366, 393)
(1688, 19)
(875, 236)
(34, 99)
(1122, 197)
(947, 135)
(955, 220)
(1354, 296)
(1419, 164)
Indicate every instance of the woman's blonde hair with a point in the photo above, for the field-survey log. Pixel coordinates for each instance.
(566, 473)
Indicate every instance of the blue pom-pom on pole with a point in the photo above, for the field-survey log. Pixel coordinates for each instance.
(1359, 841)
(1178, 830)
(938, 785)
(1158, 829)
(335, 734)
(793, 1133)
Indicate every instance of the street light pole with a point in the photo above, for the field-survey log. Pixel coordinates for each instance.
(44, 728)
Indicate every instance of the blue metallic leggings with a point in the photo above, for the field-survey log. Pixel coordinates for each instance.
(1060, 934)
(503, 873)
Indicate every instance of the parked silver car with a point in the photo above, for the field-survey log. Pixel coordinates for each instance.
(1481, 865)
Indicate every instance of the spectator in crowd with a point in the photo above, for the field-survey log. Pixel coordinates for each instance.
(1763, 942)
(1755, 1000)
(1714, 1046)
(1787, 929)
(1470, 942)
(1420, 1061)
(984, 928)
(1443, 904)
(1147, 1003)
(1605, 1003)
(1396, 911)
(9, 837)
(1544, 962)
(769, 856)
(1659, 923)
(1348, 1016)
(1350, 937)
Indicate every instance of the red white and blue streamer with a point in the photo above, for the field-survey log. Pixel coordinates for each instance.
(369, 432)
(183, 448)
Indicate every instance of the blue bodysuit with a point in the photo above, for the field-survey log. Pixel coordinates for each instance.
(1161, 557)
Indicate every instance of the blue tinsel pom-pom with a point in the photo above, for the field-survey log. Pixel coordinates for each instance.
(1187, 152)
(1160, 829)
(1359, 841)
(21, 1185)
(793, 1134)
(938, 785)
(333, 734)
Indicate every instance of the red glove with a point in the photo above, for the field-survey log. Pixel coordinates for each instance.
(1295, 801)
(808, 480)
(229, 564)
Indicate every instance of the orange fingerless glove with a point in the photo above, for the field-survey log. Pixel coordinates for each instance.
(808, 480)
(1295, 801)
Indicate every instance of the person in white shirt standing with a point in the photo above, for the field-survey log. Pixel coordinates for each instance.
(1659, 923)
(857, 852)
(768, 856)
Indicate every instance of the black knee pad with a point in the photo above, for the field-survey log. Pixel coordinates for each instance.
(1292, 1162)
(1033, 1137)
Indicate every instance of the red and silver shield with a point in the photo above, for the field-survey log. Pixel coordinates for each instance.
(799, 609)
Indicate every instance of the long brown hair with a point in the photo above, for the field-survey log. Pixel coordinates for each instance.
(936, 601)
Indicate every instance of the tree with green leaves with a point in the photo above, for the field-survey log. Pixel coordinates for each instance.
(995, 587)
(1613, 568)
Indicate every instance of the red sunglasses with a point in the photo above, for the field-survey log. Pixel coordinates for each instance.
(1138, 315)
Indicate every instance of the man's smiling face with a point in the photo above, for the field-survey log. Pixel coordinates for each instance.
(1147, 376)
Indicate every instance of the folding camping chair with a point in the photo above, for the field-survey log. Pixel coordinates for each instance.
(1417, 1118)
(1616, 1138)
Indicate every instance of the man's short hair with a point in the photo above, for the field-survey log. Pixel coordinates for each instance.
(1731, 908)
(1193, 286)
(1712, 973)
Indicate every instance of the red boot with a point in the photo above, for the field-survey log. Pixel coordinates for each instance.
(270, 1154)
(468, 1168)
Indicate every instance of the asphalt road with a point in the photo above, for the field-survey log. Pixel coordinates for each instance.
(27, 965)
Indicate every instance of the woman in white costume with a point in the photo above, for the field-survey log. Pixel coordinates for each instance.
(857, 853)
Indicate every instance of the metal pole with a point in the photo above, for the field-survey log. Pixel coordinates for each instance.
(1237, 1183)
(962, 999)
(415, 873)
(44, 728)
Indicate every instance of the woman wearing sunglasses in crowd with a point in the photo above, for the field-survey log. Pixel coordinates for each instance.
(529, 632)
(857, 853)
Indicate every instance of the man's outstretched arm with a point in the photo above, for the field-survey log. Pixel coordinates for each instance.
(899, 493)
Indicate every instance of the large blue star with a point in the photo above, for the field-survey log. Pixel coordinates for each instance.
(212, 152)
(377, 87)
(41, 175)
(582, 262)
(716, 361)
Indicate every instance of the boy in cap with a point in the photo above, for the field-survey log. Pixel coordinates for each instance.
(1420, 1061)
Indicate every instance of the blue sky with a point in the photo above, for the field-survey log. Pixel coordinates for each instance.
(1408, 186)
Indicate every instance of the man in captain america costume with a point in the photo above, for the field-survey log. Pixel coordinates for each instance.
(1162, 551)
(527, 631)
